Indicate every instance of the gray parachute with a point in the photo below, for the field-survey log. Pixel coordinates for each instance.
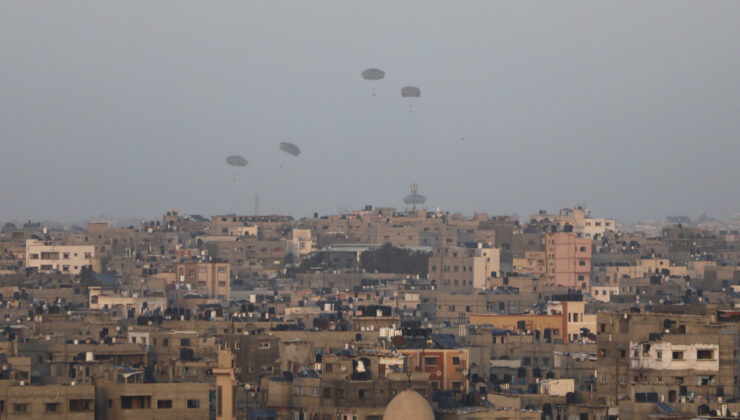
(290, 148)
(373, 74)
(410, 92)
(236, 160)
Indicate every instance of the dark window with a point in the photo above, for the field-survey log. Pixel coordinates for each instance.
(135, 402)
(83, 405)
(164, 403)
(430, 361)
(52, 407)
(704, 354)
(193, 403)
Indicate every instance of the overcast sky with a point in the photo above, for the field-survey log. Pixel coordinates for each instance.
(128, 109)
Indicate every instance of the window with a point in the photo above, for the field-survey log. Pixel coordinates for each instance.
(264, 346)
(20, 408)
(222, 284)
(677, 355)
(452, 307)
(456, 361)
(364, 393)
(83, 405)
(193, 404)
(430, 361)
(327, 392)
(185, 342)
(164, 403)
(135, 402)
(52, 408)
(582, 263)
(659, 355)
(704, 354)
(705, 380)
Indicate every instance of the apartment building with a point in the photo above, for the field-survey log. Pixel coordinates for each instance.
(464, 269)
(210, 279)
(688, 362)
(67, 259)
(568, 260)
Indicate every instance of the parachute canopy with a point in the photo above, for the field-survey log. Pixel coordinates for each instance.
(290, 148)
(236, 160)
(411, 92)
(373, 74)
(414, 199)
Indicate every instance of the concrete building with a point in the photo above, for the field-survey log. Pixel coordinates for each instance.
(568, 260)
(210, 279)
(687, 362)
(463, 269)
(67, 259)
(47, 402)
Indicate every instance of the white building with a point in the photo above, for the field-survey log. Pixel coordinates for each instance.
(67, 259)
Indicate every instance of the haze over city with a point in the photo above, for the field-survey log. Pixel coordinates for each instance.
(128, 109)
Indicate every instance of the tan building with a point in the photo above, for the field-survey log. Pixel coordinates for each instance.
(47, 402)
(210, 279)
(568, 260)
(100, 299)
(161, 401)
(464, 269)
(67, 259)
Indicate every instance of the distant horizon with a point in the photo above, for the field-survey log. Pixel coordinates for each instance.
(522, 217)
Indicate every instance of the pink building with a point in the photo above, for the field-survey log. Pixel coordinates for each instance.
(568, 260)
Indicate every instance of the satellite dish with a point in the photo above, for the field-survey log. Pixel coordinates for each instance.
(465, 372)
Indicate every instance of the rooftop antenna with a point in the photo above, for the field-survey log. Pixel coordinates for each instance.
(414, 198)
(256, 204)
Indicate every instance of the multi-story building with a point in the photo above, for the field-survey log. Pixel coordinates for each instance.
(68, 259)
(687, 362)
(211, 279)
(568, 260)
(463, 269)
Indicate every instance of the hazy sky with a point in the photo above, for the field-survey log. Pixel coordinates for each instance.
(128, 109)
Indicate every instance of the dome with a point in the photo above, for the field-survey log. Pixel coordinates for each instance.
(408, 405)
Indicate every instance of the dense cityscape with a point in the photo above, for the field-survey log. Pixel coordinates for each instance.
(378, 210)
(371, 314)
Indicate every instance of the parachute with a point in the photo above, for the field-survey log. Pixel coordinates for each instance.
(236, 160)
(290, 148)
(373, 74)
(411, 92)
